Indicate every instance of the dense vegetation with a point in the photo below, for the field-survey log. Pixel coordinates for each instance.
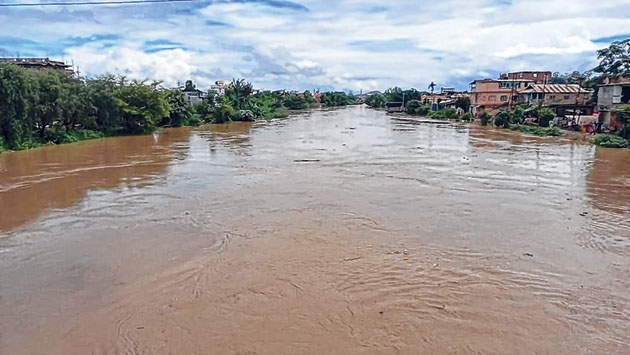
(514, 119)
(610, 141)
(40, 107)
(51, 107)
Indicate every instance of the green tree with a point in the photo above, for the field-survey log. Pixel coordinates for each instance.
(142, 107)
(394, 94)
(415, 107)
(463, 103)
(224, 112)
(46, 107)
(545, 115)
(615, 59)
(180, 110)
(190, 86)
(238, 92)
(485, 118)
(338, 98)
(376, 101)
(295, 102)
(15, 125)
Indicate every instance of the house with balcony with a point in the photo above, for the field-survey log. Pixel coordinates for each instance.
(563, 98)
(613, 93)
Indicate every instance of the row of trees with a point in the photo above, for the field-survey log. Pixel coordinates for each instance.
(47, 106)
(39, 107)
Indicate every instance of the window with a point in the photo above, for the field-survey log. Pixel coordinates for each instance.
(566, 97)
(535, 75)
(520, 75)
(503, 97)
(492, 98)
(552, 97)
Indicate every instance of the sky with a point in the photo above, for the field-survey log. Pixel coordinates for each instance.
(348, 45)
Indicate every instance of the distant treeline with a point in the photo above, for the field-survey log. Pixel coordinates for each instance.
(39, 107)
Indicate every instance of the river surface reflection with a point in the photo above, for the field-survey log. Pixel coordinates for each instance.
(289, 237)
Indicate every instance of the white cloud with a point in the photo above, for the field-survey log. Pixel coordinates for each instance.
(348, 44)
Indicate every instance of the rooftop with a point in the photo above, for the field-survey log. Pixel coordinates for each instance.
(556, 89)
(43, 62)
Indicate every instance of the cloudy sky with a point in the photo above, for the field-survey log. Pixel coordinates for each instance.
(326, 44)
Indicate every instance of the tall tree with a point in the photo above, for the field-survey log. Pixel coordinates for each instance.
(615, 59)
(190, 86)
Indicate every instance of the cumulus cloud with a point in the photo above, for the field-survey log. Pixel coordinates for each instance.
(327, 44)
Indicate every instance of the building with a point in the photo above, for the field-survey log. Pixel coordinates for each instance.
(613, 92)
(529, 87)
(39, 64)
(554, 95)
(538, 77)
(492, 94)
(193, 97)
(563, 98)
(219, 88)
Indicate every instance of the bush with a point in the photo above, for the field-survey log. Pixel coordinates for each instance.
(538, 131)
(485, 118)
(517, 115)
(449, 113)
(502, 119)
(375, 101)
(545, 115)
(244, 115)
(610, 141)
(281, 112)
(467, 117)
(194, 120)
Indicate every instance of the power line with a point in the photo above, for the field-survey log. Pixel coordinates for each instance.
(81, 3)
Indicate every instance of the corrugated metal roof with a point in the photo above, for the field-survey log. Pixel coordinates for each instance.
(555, 89)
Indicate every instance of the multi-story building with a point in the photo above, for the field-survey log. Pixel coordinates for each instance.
(613, 93)
(555, 95)
(39, 63)
(538, 77)
(528, 87)
(491, 94)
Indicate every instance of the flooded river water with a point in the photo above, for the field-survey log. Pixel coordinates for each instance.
(335, 232)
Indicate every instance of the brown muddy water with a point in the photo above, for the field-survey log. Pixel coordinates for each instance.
(337, 232)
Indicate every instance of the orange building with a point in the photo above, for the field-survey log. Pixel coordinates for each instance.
(538, 77)
(491, 94)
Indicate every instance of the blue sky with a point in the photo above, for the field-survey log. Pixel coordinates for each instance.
(326, 44)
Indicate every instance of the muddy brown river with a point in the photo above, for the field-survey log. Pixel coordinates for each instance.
(335, 232)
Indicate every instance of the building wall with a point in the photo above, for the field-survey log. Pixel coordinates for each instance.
(490, 95)
(538, 77)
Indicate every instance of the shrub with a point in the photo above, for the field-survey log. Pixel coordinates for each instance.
(281, 112)
(502, 119)
(610, 141)
(485, 118)
(467, 117)
(538, 131)
(244, 115)
(545, 115)
(376, 101)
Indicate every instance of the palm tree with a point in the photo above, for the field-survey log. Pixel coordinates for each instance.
(432, 87)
